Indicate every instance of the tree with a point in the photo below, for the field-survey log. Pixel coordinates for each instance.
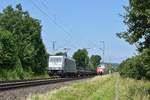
(95, 60)
(132, 68)
(61, 54)
(145, 57)
(25, 33)
(81, 58)
(8, 52)
(136, 67)
(137, 18)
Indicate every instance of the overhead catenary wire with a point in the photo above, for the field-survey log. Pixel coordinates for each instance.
(44, 5)
(57, 18)
(52, 20)
(55, 15)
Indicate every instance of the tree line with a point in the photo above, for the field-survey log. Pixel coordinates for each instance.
(137, 19)
(82, 59)
(22, 52)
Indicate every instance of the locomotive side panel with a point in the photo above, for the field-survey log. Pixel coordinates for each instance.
(69, 66)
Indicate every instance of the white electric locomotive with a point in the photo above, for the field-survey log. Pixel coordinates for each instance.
(61, 66)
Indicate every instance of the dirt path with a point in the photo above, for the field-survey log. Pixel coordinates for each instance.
(117, 88)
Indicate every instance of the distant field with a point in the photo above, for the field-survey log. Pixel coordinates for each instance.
(109, 87)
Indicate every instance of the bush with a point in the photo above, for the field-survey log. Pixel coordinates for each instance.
(137, 67)
(15, 74)
(145, 58)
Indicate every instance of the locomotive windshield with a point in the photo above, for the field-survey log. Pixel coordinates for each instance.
(56, 60)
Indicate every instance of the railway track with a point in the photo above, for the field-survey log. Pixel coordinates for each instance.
(27, 83)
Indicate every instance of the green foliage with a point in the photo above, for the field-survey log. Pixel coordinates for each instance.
(110, 68)
(137, 18)
(145, 58)
(8, 52)
(137, 67)
(15, 73)
(20, 42)
(61, 54)
(131, 89)
(95, 60)
(132, 68)
(81, 58)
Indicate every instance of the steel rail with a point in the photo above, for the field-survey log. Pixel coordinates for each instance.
(21, 84)
(12, 81)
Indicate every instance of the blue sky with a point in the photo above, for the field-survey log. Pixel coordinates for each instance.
(80, 24)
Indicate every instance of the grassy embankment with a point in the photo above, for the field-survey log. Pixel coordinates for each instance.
(110, 87)
(19, 75)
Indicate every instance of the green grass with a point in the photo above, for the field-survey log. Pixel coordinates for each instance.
(99, 88)
(94, 89)
(130, 89)
(19, 75)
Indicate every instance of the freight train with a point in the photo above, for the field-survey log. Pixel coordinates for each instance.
(64, 66)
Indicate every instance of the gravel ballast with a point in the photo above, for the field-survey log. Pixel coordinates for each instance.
(23, 93)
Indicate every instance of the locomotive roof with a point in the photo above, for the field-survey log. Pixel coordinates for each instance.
(61, 56)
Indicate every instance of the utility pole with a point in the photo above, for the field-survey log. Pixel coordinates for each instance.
(103, 49)
(53, 45)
